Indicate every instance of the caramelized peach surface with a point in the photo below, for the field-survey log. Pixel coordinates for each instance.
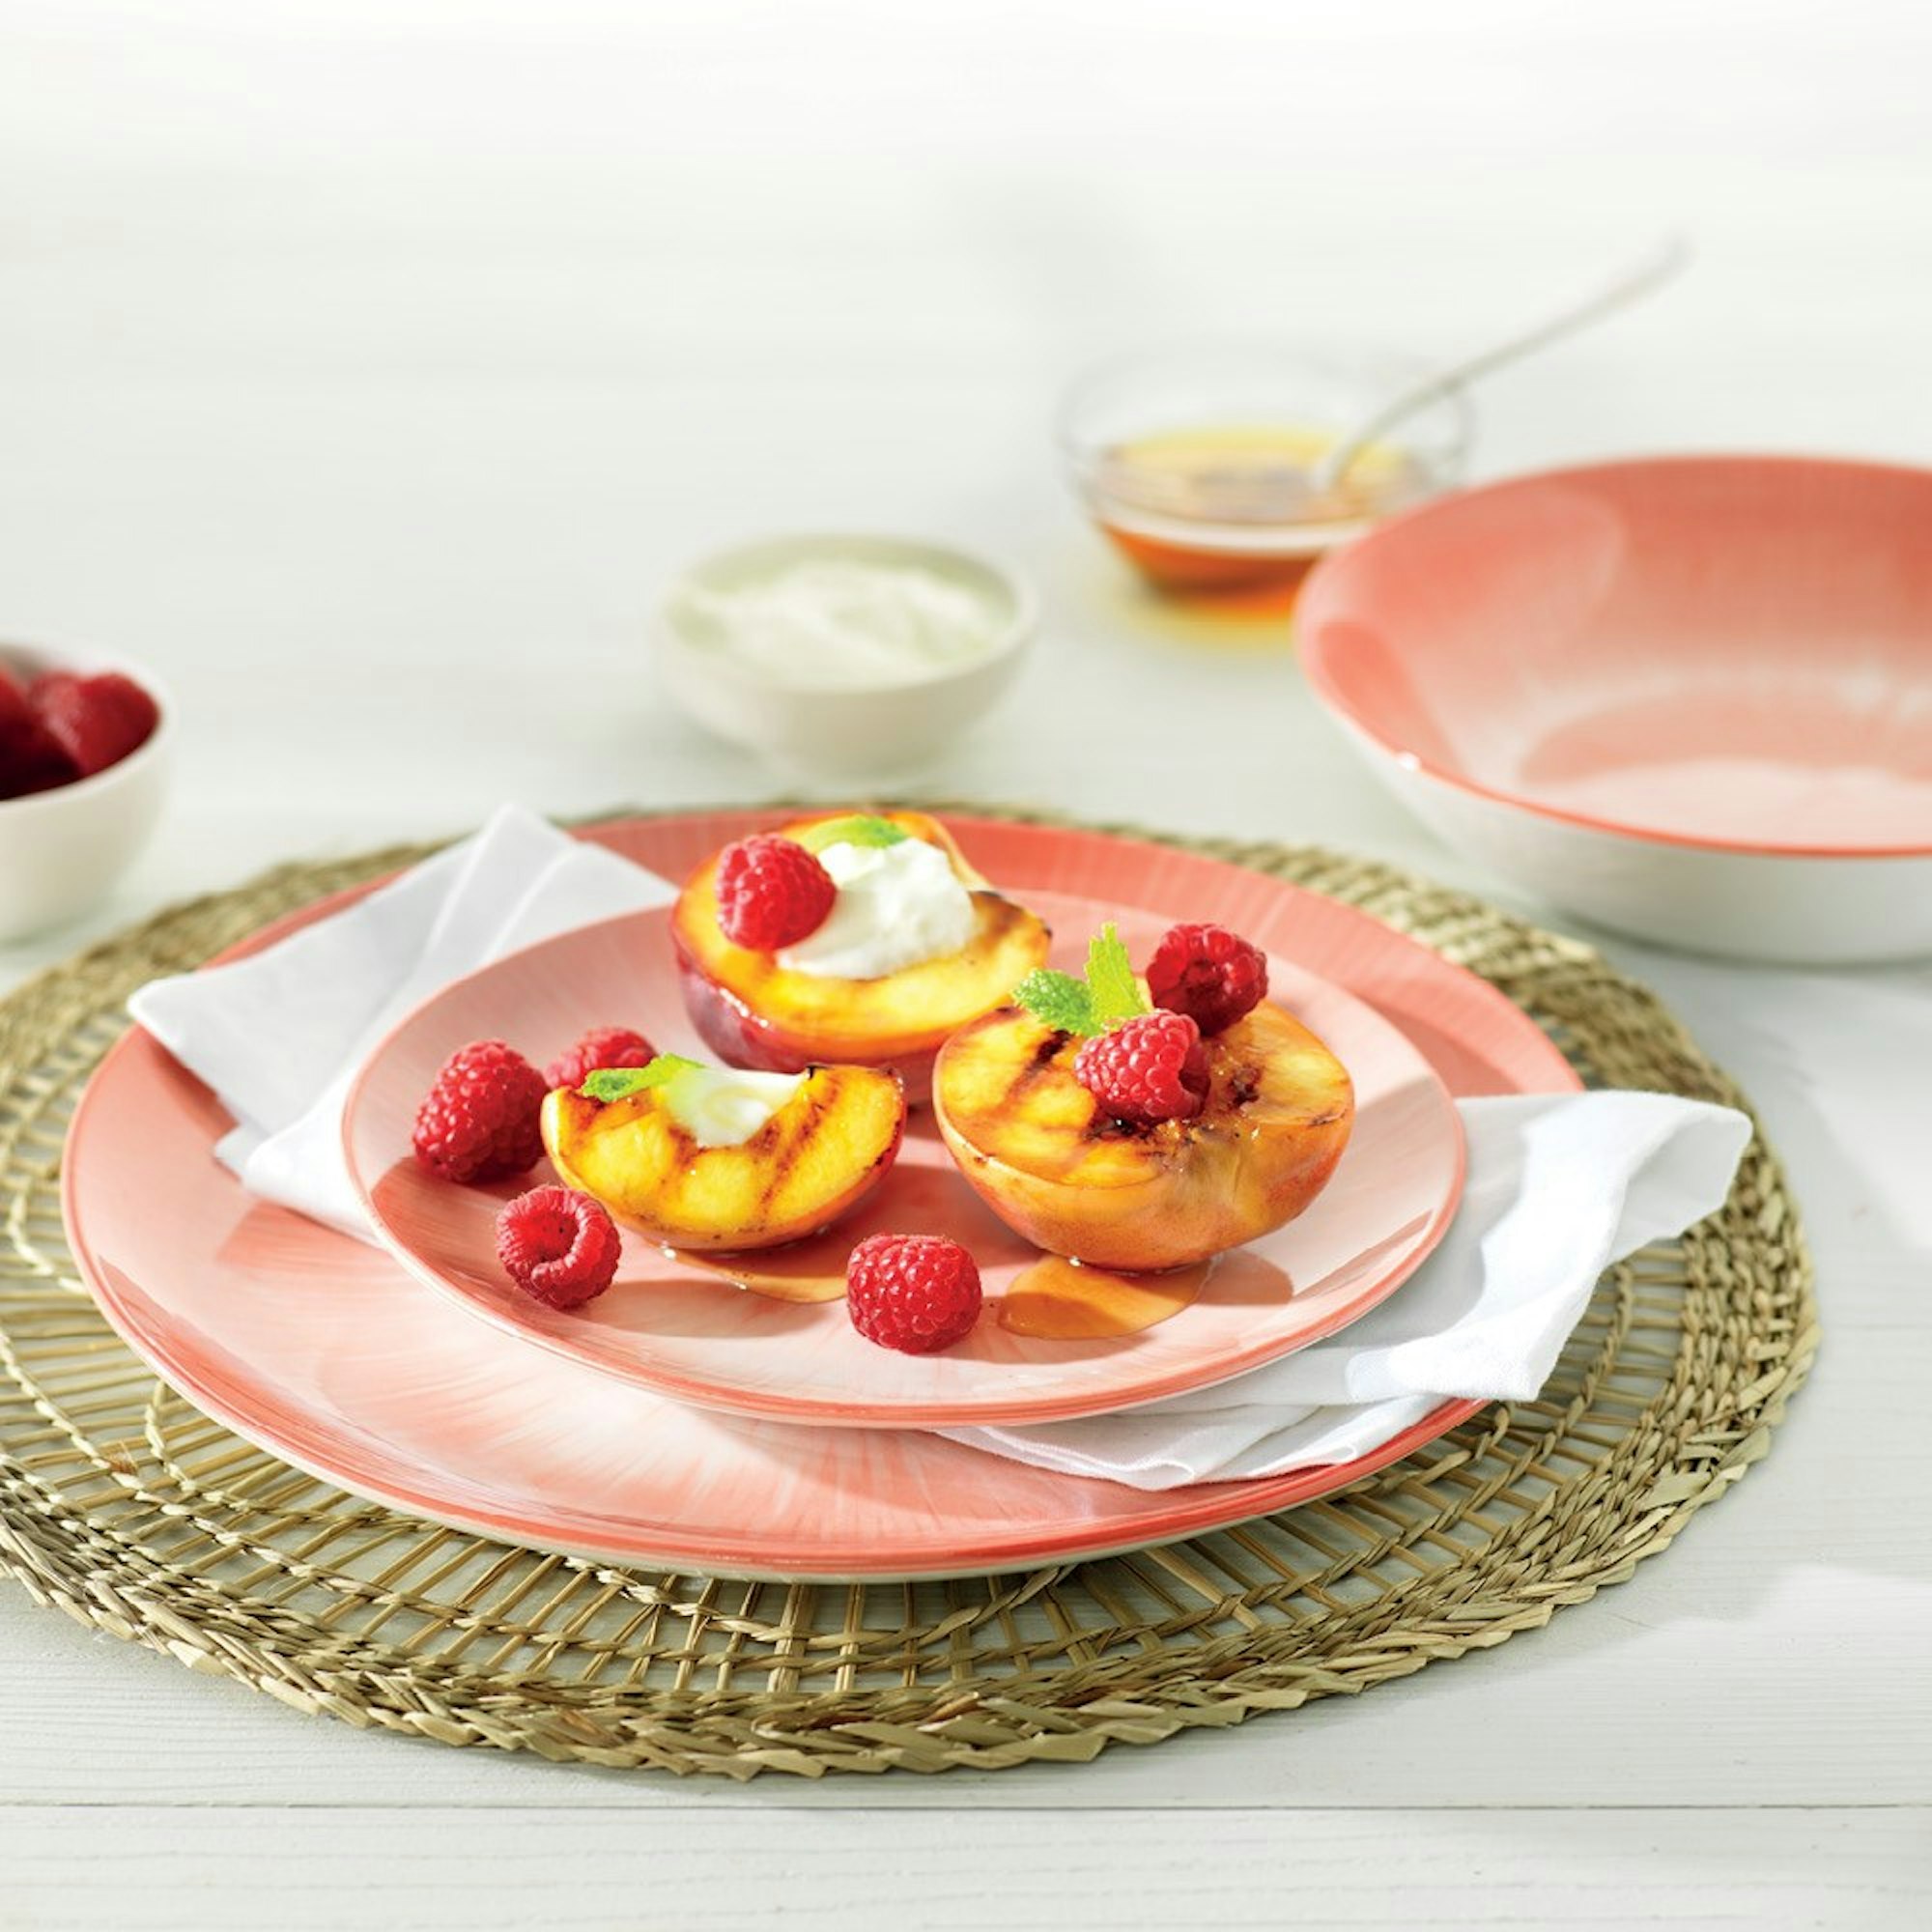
(1044, 1155)
(821, 1153)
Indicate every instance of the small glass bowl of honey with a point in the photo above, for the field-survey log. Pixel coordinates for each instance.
(1200, 462)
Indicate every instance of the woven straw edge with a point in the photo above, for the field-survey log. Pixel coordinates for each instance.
(1150, 1713)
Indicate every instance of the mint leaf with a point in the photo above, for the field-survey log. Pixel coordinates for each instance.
(1108, 994)
(619, 1083)
(1057, 999)
(856, 828)
(1110, 981)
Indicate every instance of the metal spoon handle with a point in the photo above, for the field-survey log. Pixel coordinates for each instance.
(1652, 272)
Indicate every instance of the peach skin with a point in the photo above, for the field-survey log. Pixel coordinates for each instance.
(1043, 1154)
(754, 1012)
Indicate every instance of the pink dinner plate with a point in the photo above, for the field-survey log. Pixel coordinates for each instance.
(684, 1328)
(328, 1354)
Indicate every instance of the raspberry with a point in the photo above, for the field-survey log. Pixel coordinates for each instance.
(559, 1244)
(480, 1119)
(771, 892)
(1147, 1069)
(913, 1293)
(96, 721)
(1209, 974)
(601, 1046)
(31, 758)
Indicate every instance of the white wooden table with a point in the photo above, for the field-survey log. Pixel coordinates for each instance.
(364, 368)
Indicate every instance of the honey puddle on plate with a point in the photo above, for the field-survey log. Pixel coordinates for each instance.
(1053, 1299)
(1231, 510)
(1059, 1300)
(808, 1270)
(814, 1270)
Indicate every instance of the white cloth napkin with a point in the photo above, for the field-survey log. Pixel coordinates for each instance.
(280, 1036)
(1558, 1187)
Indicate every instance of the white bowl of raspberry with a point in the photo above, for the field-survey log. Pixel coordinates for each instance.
(84, 753)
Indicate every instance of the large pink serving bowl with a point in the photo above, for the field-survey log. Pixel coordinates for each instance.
(1689, 698)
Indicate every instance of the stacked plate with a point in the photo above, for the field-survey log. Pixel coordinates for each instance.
(682, 1422)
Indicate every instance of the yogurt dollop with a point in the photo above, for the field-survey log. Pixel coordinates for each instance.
(725, 1107)
(898, 906)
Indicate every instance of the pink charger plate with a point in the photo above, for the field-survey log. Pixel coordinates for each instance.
(682, 1327)
(328, 1354)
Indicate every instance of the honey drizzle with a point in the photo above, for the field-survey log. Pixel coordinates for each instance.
(809, 1270)
(1053, 1299)
(1062, 1300)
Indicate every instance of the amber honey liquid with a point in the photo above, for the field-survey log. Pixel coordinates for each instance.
(1230, 510)
(1049, 1298)
(1067, 1302)
(1053, 1299)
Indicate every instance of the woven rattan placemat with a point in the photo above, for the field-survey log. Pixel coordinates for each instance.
(136, 1514)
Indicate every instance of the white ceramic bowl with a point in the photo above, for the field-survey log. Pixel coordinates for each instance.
(879, 729)
(62, 851)
(1689, 698)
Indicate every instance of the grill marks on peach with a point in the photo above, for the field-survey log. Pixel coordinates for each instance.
(789, 1133)
(1048, 1159)
(822, 1152)
(1013, 1093)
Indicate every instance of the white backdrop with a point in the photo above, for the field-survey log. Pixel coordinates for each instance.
(360, 354)
(365, 368)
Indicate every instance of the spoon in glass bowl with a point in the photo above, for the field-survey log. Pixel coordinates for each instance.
(1656, 268)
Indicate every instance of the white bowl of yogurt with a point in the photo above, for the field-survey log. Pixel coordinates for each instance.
(843, 656)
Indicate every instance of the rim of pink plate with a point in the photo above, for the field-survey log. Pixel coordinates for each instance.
(859, 1413)
(1336, 566)
(1165, 1519)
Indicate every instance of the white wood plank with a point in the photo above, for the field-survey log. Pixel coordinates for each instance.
(487, 1870)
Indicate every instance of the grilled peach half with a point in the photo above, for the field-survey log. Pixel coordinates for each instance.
(1047, 1158)
(754, 1012)
(819, 1155)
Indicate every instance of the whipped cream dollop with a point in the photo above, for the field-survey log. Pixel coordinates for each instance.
(725, 1107)
(898, 906)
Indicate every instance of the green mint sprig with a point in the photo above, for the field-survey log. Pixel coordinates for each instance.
(856, 828)
(1057, 999)
(619, 1083)
(1106, 995)
(1110, 978)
